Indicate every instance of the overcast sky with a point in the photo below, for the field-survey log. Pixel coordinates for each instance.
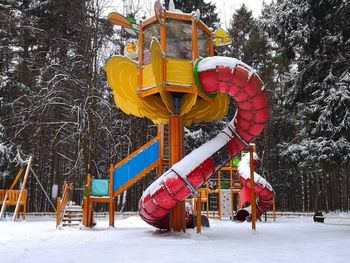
(225, 8)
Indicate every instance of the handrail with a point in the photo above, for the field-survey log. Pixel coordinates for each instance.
(127, 158)
(12, 196)
(62, 203)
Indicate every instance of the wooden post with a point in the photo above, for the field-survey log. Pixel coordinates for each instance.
(194, 40)
(85, 212)
(199, 212)
(4, 202)
(111, 196)
(219, 195)
(89, 213)
(58, 211)
(274, 209)
(22, 189)
(25, 207)
(252, 184)
(176, 141)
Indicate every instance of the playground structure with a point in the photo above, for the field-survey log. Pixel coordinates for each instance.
(16, 198)
(122, 176)
(176, 81)
(219, 196)
(226, 193)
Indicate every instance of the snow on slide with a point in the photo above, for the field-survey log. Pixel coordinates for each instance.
(215, 74)
(262, 188)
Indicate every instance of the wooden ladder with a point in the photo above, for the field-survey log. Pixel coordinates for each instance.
(72, 216)
(165, 142)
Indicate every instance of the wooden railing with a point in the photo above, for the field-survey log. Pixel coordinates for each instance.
(2, 195)
(20, 195)
(12, 197)
(62, 202)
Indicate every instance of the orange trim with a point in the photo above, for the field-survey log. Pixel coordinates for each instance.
(179, 16)
(148, 92)
(163, 46)
(135, 179)
(140, 58)
(211, 45)
(200, 94)
(173, 88)
(234, 169)
(204, 27)
(194, 41)
(194, 51)
(136, 152)
(99, 199)
(149, 21)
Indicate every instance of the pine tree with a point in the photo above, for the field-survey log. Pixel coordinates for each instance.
(317, 88)
(314, 39)
(207, 10)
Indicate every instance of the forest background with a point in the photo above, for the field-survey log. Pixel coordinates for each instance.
(56, 105)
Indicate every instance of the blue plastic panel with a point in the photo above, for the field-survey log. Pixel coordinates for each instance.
(136, 165)
(100, 187)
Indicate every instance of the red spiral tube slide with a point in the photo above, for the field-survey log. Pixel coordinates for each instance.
(215, 74)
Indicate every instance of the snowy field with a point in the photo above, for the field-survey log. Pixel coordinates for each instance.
(287, 240)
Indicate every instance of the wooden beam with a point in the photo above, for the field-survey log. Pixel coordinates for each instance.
(199, 213)
(58, 211)
(177, 216)
(22, 188)
(17, 177)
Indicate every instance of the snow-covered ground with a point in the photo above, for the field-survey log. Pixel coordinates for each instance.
(287, 240)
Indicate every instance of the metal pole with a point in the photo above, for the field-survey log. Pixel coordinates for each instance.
(42, 188)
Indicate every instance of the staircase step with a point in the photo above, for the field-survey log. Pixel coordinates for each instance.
(72, 219)
(70, 210)
(70, 224)
(74, 206)
(73, 215)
